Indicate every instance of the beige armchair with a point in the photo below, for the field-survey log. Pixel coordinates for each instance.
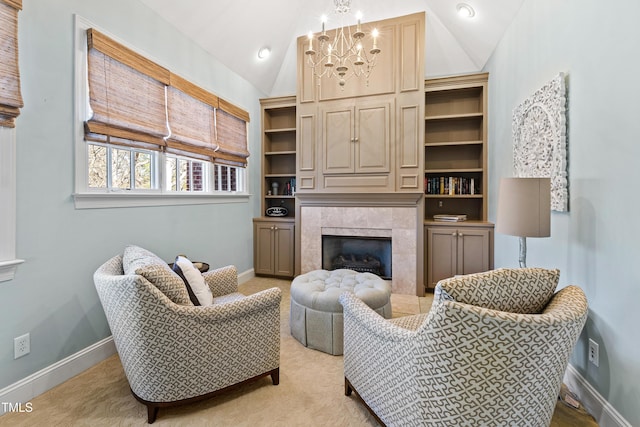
(492, 351)
(179, 353)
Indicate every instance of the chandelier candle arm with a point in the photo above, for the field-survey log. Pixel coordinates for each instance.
(346, 49)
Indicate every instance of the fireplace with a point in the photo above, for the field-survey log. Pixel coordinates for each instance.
(363, 254)
(394, 217)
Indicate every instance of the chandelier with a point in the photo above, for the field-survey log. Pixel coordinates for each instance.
(344, 56)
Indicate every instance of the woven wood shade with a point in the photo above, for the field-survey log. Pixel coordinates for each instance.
(232, 139)
(190, 115)
(136, 102)
(10, 95)
(126, 93)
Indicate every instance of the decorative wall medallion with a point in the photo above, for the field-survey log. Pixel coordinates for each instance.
(539, 140)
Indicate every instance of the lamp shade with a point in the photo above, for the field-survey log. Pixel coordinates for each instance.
(524, 207)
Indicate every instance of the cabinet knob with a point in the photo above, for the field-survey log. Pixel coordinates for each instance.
(272, 227)
(454, 234)
(355, 139)
(275, 228)
(460, 234)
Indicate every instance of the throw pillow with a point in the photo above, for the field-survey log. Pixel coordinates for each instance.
(137, 260)
(516, 290)
(197, 288)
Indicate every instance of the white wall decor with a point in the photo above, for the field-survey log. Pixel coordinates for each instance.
(539, 139)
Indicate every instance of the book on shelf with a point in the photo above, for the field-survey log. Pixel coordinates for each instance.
(450, 185)
(449, 217)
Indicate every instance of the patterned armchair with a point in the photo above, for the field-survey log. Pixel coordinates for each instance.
(492, 351)
(179, 353)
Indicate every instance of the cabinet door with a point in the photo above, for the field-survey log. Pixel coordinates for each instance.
(372, 142)
(473, 251)
(441, 254)
(337, 139)
(263, 248)
(284, 245)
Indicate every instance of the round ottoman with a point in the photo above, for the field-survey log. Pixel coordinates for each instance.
(316, 313)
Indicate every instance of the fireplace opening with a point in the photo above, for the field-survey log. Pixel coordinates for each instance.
(362, 254)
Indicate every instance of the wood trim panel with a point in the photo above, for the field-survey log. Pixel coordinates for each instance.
(307, 146)
(409, 57)
(408, 136)
(357, 181)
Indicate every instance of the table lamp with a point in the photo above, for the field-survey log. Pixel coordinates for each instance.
(524, 210)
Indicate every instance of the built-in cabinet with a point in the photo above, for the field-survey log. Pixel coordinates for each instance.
(457, 249)
(356, 137)
(455, 177)
(274, 243)
(273, 249)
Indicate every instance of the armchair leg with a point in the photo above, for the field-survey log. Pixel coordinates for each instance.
(275, 376)
(152, 413)
(347, 387)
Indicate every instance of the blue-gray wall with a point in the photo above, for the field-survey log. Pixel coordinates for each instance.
(53, 296)
(596, 243)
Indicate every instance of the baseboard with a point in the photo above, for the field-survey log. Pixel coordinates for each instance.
(605, 414)
(245, 276)
(46, 379)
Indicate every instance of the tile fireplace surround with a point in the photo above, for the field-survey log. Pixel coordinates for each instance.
(398, 222)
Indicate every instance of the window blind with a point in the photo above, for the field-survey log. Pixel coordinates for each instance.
(126, 94)
(231, 125)
(190, 113)
(10, 95)
(136, 102)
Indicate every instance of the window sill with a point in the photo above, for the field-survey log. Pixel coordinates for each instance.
(126, 200)
(8, 269)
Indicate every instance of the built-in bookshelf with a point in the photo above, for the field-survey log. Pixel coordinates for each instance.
(455, 152)
(279, 153)
(458, 238)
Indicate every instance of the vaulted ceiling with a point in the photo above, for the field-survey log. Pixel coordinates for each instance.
(234, 30)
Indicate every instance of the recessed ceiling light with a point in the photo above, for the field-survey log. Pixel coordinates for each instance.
(465, 11)
(264, 53)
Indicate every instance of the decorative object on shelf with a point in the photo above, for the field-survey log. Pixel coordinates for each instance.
(277, 211)
(450, 217)
(345, 56)
(524, 210)
(274, 188)
(539, 139)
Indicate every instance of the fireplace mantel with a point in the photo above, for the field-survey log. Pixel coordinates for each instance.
(360, 199)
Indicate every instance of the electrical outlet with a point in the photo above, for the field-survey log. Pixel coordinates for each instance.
(21, 346)
(594, 350)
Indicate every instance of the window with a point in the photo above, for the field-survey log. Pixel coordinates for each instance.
(10, 104)
(120, 168)
(184, 174)
(146, 132)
